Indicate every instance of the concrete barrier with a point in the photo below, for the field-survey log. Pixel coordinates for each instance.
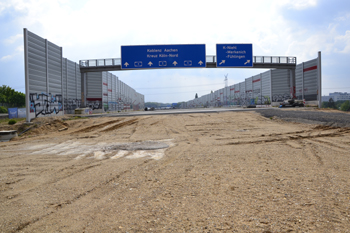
(7, 135)
(4, 115)
(83, 111)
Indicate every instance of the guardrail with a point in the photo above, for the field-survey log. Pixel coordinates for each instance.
(210, 59)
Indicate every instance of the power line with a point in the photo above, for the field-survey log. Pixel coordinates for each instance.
(202, 91)
(179, 86)
(176, 93)
(335, 88)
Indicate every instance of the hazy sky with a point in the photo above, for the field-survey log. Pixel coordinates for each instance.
(90, 29)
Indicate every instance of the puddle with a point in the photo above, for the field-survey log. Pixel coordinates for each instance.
(146, 145)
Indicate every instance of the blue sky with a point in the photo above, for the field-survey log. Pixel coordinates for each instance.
(96, 29)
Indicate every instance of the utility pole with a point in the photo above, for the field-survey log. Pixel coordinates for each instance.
(225, 89)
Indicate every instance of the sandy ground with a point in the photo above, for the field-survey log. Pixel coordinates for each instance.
(219, 172)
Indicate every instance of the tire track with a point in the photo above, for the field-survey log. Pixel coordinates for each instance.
(313, 152)
(58, 177)
(292, 137)
(94, 127)
(67, 203)
(134, 129)
(65, 176)
(330, 145)
(309, 133)
(120, 125)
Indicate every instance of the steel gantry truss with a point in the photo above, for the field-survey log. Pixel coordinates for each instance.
(260, 62)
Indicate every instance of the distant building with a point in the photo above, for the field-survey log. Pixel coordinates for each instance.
(325, 98)
(336, 96)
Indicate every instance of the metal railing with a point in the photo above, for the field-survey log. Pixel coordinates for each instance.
(100, 62)
(274, 60)
(209, 58)
(264, 59)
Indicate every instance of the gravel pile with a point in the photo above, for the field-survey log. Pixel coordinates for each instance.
(309, 117)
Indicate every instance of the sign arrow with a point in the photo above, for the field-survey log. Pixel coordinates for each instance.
(126, 64)
(150, 63)
(248, 61)
(200, 63)
(222, 62)
(174, 63)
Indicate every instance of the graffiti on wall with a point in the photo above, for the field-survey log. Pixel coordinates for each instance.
(257, 96)
(94, 104)
(45, 104)
(262, 100)
(242, 99)
(280, 97)
(249, 97)
(71, 104)
(293, 92)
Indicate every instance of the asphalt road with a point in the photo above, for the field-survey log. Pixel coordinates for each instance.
(302, 115)
(175, 111)
(335, 119)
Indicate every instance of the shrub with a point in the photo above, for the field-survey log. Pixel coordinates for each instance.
(12, 122)
(3, 109)
(345, 106)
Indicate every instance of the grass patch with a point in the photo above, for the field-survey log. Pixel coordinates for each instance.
(74, 118)
(6, 120)
(12, 122)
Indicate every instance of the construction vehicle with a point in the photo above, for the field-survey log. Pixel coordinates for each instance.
(291, 103)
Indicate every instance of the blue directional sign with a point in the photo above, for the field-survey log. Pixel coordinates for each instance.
(234, 55)
(163, 56)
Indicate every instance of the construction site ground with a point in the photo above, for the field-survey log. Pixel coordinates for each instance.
(205, 172)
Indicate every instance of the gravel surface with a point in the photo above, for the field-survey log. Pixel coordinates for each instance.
(222, 172)
(335, 119)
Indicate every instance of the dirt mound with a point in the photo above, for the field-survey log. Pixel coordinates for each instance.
(48, 127)
(96, 126)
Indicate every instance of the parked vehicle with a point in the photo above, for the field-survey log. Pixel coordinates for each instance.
(292, 103)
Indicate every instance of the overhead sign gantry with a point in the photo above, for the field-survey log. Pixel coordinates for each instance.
(139, 57)
(234, 55)
(163, 56)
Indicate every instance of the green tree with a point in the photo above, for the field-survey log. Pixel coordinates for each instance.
(11, 97)
(5, 93)
(152, 104)
(324, 104)
(3, 109)
(179, 104)
(196, 96)
(331, 104)
(345, 106)
(18, 99)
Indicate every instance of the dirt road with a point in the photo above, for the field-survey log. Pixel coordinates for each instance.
(220, 172)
